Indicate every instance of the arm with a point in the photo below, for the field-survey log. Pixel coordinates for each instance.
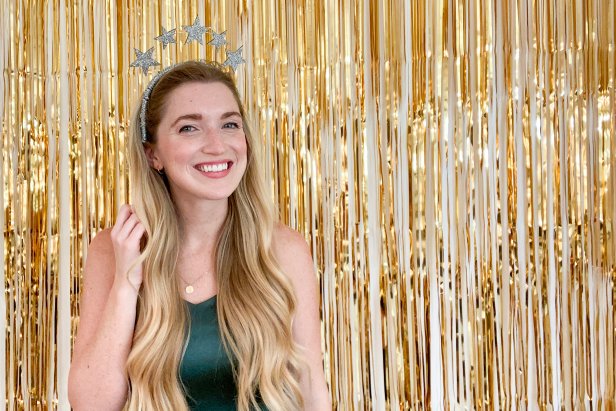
(294, 257)
(97, 378)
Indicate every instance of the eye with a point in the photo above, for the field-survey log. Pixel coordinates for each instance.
(231, 124)
(187, 128)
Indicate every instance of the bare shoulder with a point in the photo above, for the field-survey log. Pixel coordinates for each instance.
(286, 236)
(100, 252)
(293, 254)
(291, 250)
(102, 241)
(99, 270)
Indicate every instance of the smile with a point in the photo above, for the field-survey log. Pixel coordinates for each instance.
(212, 168)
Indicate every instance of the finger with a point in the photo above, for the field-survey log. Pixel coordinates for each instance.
(123, 214)
(128, 226)
(136, 233)
(125, 211)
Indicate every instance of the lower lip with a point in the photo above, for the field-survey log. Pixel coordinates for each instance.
(216, 174)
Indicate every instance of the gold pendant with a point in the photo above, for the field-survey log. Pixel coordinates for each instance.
(189, 289)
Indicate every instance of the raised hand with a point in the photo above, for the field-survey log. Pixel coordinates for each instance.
(126, 239)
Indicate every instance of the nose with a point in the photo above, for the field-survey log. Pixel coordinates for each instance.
(212, 141)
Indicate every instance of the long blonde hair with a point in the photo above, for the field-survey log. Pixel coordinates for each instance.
(255, 302)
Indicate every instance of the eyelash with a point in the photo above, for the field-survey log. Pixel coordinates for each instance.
(232, 123)
(184, 128)
(189, 128)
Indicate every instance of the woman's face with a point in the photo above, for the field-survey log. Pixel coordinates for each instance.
(200, 142)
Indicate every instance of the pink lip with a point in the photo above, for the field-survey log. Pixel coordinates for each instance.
(215, 174)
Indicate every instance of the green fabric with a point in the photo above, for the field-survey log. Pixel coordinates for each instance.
(206, 369)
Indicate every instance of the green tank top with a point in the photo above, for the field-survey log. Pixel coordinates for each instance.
(206, 369)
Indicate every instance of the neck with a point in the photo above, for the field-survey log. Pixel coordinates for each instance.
(200, 223)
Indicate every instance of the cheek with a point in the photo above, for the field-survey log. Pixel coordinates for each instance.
(242, 147)
(177, 151)
(242, 154)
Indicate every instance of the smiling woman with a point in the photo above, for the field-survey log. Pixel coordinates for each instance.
(200, 143)
(207, 302)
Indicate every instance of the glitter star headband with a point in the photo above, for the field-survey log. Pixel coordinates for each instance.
(195, 32)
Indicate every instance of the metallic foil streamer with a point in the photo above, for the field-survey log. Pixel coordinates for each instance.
(451, 163)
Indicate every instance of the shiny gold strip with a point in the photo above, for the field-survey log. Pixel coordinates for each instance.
(63, 338)
(4, 47)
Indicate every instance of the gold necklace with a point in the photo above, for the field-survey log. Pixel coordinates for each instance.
(189, 289)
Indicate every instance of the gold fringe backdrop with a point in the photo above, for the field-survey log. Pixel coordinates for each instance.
(452, 163)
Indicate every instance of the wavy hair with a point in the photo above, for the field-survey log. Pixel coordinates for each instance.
(255, 302)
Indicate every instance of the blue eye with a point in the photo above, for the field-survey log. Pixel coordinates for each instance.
(187, 128)
(231, 124)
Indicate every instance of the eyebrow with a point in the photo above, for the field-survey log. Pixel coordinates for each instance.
(187, 117)
(196, 116)
(230, 114)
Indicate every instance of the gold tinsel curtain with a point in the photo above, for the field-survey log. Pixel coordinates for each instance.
(451, 162)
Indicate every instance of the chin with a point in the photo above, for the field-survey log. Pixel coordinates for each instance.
(217, 196)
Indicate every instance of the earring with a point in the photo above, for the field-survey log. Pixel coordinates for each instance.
(160, 171)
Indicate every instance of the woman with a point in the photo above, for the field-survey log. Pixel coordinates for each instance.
(196, 297)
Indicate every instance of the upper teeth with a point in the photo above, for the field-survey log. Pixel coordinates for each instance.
(213, 167)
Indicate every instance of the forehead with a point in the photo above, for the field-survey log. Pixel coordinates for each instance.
(199, 97)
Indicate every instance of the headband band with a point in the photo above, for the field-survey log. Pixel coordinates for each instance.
(146, 97)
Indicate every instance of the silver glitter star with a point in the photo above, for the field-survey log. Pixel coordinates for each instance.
(234, 58)
(144, 60)
(218, 40)
(166, 38)
(195, 32)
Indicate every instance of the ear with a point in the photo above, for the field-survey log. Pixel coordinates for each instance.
(153, 158)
